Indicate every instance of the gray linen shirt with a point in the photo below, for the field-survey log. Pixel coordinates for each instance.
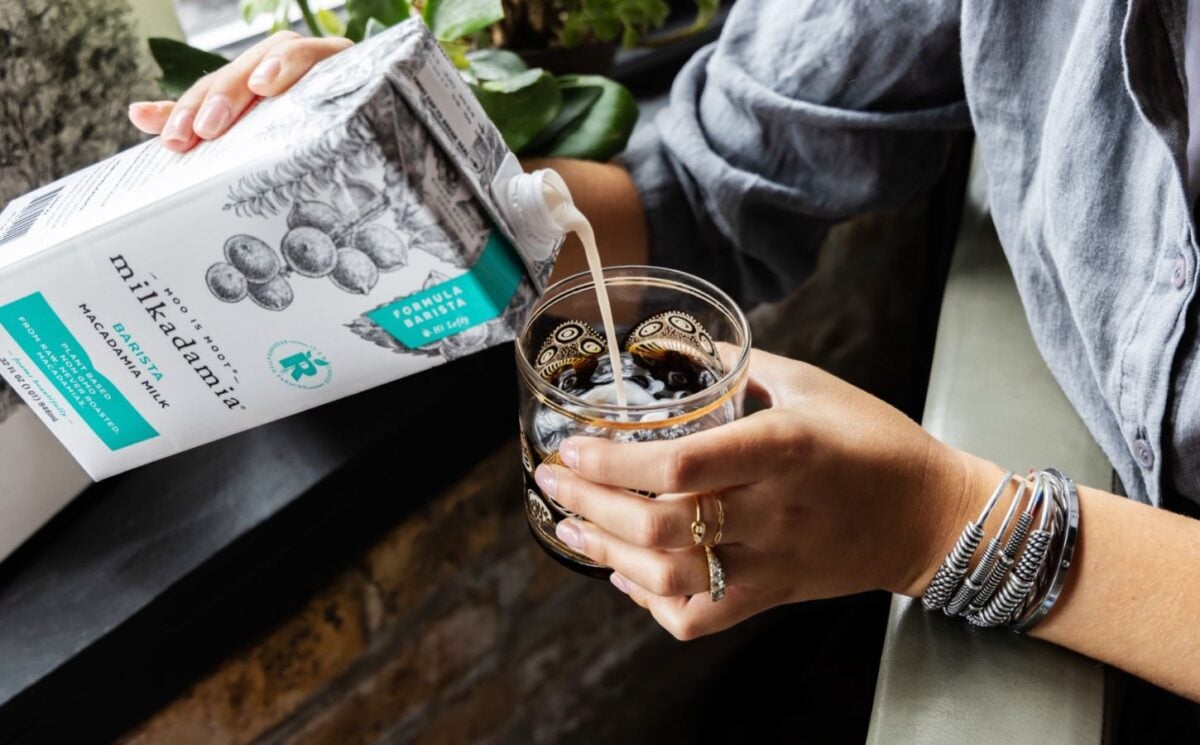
(806, 112)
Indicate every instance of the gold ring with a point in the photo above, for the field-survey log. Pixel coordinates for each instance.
(716, 575)
(720, 522)
(698, 526)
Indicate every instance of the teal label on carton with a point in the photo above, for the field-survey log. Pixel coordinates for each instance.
(40, 333)
(477, 296)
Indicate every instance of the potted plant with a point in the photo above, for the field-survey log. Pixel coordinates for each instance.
(549, 99)
(582, 36)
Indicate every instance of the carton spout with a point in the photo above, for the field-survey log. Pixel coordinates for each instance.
(537, 206)
(557, 198)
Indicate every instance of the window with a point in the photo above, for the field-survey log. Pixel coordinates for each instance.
(218, 26)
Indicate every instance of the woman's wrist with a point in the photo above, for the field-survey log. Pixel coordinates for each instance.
(954, 490)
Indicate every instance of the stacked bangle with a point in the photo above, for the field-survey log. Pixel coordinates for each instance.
(1066, 529)
(1002, 589)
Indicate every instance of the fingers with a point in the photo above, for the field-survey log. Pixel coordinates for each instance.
(690, 618)
(177, 133)
(778, 380)
(733, 454)
(150, 116)
(665, 522)
(284, 64)
(211, 106)
(227, 94)
(774, 379)
(665, 573)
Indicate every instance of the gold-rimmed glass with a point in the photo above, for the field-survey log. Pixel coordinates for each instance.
(549, 414)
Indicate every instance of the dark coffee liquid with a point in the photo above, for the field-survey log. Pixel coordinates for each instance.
(664, 375)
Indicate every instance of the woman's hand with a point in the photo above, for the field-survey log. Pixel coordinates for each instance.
(829, 492)
(214, 103)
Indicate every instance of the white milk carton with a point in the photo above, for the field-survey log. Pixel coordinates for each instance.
(367, 225)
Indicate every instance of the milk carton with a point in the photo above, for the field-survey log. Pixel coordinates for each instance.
(365, 226)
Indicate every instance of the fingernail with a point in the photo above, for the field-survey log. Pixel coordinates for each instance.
(569, 534)
(180, 120)
(569, 452)
(214, 115)
(141, 107)
(266, 72)
(544, 476)
(619, 582)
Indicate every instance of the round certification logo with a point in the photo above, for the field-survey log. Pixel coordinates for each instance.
(299, 365)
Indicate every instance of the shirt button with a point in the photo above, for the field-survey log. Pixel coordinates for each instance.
(1143, 453)
(1179, 274)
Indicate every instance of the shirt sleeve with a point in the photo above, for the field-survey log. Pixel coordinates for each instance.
(802, 113)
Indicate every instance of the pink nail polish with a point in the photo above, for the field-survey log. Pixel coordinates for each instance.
(213, 116)
(619, 582)
(266, 72)
(177, 126)
(544, 476)
(569, 534)
(569, 452)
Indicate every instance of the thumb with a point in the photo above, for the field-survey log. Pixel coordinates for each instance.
(779, 381)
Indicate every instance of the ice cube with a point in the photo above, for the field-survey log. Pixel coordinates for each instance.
(549, 430)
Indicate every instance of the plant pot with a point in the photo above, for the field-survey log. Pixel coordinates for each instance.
(586, 59)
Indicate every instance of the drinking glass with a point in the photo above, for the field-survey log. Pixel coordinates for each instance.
(692, 346)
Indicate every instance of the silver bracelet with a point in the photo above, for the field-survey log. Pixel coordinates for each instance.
(975, 582)
(1002, 589)
(999, 610)
(1067, 498)
(954, 567)
(1008, 556)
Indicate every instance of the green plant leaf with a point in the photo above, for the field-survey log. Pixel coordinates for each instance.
(576, 102)
(281, 22)
(330, 23)
(457, 52)
(604, 129)
(385, 12)
(495, 64)
(181, 65)
(516, 83)
(310, 19)
(610, 20)
(252, 9)
(706, 10)
(451, 20)
(520, 106)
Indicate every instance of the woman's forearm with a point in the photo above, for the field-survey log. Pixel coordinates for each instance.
(1132, 597)
(606, 195)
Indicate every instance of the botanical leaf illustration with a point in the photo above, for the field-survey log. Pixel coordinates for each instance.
(334, 156)
(488, 151)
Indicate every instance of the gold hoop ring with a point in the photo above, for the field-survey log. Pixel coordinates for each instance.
(720, 523)
(699, 528)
